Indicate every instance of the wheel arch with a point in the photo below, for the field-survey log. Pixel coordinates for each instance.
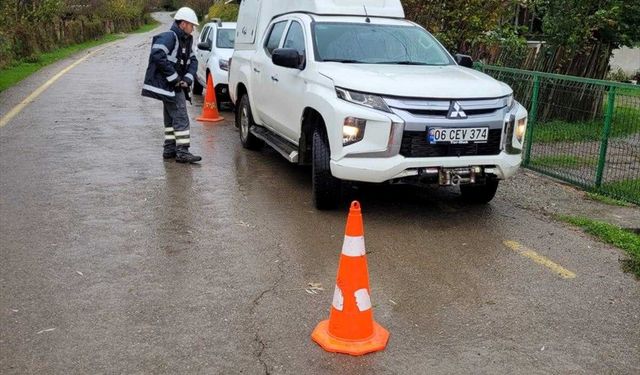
(311, 120)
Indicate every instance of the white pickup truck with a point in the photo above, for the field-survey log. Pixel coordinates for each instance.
(360, 93)
(213, 51)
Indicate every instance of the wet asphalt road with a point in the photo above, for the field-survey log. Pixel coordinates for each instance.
(113, 261)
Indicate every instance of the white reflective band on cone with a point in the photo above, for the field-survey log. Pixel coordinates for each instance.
(353, 246)
(338, 300)
(363, 300)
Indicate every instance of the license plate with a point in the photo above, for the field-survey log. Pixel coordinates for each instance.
(458, 135)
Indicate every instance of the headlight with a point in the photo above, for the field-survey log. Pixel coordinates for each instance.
(367, 100)
(224, 65)
(520, 130)
(353, 130)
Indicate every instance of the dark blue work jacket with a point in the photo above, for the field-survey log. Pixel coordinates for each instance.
(172, 59)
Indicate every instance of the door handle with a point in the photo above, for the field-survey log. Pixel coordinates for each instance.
(275, 79)
(256, 70)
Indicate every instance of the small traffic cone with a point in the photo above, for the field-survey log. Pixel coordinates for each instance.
(210, 108)
(351, 328)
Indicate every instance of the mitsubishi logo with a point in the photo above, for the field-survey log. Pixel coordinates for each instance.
(456, 111)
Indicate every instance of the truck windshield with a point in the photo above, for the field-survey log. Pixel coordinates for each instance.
(377, 44)
(226, 37)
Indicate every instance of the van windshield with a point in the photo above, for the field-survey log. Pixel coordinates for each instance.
(226, 37)
(377, 44)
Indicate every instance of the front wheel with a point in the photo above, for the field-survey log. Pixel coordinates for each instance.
(479, 194)
(244, 121)
(326, 189)
(197, 87)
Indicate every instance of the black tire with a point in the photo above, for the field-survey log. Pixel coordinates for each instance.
(218, 103)
(326, 189)
(244, 121)
(480, 194)
(197, 87)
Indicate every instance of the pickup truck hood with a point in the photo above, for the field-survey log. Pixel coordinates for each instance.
(223, 53)
(435, 82)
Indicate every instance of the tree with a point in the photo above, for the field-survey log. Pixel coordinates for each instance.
(459, 24)
(579, 23)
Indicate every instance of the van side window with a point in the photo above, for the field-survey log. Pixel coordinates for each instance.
(273, 41)
(295, 38)
(205, 32)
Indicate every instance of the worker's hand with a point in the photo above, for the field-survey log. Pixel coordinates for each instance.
(182, 84)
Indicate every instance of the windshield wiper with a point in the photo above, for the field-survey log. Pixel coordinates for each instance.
(402, 63)
(344, 61)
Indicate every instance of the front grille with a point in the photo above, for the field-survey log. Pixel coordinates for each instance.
(444, 113)
(415, 145)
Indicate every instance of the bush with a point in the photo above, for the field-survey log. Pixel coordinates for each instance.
(226, 12)
(6, 50)
(619, 76)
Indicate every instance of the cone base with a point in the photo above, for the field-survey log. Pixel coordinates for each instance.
(377, 342)
(205, 119)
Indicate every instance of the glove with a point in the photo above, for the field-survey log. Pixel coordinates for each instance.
(182, 85)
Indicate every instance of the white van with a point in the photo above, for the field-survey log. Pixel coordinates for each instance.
(213, 51)
(361, 94)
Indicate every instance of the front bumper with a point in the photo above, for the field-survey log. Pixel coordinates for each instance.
(381, 157)
(379, 170)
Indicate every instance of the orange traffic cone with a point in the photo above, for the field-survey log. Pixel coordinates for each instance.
(210, 109)
(351, 328)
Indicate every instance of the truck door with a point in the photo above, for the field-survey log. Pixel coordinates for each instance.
(261, 73)
(202, 55)
(288, 86)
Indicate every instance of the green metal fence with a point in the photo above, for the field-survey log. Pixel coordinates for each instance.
(582, 131)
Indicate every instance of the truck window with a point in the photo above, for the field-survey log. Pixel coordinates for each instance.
(205, 33)
(225, 38)
(378, 44)
(295, 38)
(273, 41)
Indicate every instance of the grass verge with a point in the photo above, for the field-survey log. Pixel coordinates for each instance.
(611, 234)
(629, 189)
(625, 122)
(148, 27)
(21, 70)
(608, 200)
(564, 161)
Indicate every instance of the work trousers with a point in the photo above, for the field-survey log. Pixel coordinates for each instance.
(176, 124)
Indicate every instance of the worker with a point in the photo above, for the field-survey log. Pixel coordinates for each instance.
(171, 71)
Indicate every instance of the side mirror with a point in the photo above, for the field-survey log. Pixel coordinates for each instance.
(464, 60)
(204, 46)
(288, 58)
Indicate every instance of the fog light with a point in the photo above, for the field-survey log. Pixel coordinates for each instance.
(521, 129)
(353, 130)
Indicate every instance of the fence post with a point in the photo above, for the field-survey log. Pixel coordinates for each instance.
(604, 144)
(532, 117)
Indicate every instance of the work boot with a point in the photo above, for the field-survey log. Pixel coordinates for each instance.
(169, 154)
(187, 157)
(169, 149)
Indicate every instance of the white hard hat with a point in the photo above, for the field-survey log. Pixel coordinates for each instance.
(186, 14)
